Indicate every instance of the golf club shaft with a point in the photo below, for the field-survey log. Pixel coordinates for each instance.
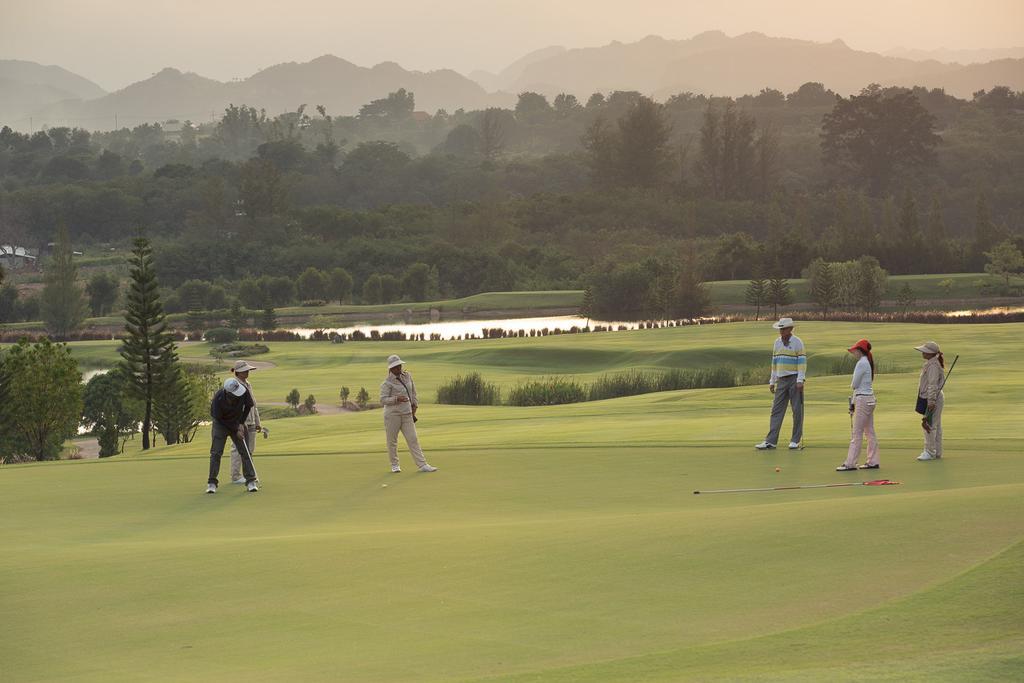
(951, 366)
(248, 454)
(787, 488)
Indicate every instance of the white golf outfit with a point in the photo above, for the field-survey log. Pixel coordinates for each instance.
(863, 415)
(398, 416)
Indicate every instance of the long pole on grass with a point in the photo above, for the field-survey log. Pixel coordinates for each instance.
(876, 482)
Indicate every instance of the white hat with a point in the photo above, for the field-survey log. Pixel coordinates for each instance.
(394, 360)
(783, 323)
(928, 347)
(234, 387)
(243, 366)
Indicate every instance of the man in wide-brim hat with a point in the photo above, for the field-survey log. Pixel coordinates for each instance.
(241, 370)
(789, 370)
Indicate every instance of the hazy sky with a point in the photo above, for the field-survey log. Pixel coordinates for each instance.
(116, 42)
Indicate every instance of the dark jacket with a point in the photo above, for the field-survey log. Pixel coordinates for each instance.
(230, 415)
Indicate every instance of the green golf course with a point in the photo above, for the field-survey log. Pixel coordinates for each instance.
(559, 543)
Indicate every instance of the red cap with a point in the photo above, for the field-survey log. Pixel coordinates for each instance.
(862, 344)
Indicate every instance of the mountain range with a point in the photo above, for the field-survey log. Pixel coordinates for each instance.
(714, 63)
(32, 95)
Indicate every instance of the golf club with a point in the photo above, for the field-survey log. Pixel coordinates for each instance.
(876, 482)
(249, 455)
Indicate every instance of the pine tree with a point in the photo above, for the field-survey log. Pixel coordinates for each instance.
(63, 305)
(779, 293)
(268, 321)
(237, 316)
(148, 348)
(824, 290)
(756, 293)
(869, 286)
(587, 306)
(905, 297)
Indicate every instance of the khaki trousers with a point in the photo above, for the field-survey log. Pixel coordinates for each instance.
(236, 457)
(403, 423)
(863, 425)
(933, 439)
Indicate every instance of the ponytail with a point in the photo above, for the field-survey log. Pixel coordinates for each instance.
(871, 362)
(942, 361)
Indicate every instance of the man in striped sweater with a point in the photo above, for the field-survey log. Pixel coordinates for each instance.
(789, 367)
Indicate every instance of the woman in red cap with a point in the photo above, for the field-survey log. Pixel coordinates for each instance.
(863, 407)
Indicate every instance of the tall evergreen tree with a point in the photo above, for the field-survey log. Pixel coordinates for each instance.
(824, 290)
(148, 349)
(268, 320)
(779, 293)
(869, 286)
(62, 304)
(756, 294)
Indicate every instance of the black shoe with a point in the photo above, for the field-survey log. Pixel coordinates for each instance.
(868, 467)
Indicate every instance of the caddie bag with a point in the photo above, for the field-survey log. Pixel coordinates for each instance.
(922, 405)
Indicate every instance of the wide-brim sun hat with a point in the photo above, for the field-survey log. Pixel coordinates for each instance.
(783, 323)
(234, 387)
(862, 344)
(928, 347)
(243, 366)
(394, 360)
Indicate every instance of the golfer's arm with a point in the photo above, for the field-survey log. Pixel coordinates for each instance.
(412, 393)
(386, 399)
(801, 366)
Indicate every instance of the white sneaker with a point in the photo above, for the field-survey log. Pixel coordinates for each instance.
(925, 455)
(428, 468)
(211, 488)
(240, 480)
(794, 446)
(395, 469)
(252, 487)
(764, 446)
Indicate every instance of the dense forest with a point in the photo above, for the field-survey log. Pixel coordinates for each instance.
(546, 195)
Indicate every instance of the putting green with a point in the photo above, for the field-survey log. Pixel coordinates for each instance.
(558, 543)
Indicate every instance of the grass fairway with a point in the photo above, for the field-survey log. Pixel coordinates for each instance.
(555, 544)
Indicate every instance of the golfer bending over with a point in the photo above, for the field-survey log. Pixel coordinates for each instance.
(862, 409)
(398, 396)
(789, 366)
(929, 394)
(229, 409)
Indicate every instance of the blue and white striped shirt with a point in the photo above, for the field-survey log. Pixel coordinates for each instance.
(788, 358)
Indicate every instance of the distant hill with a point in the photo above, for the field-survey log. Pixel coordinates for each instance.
(511, 73)
(337, 84)
(27, 86)
(976, 56)
(714, 63)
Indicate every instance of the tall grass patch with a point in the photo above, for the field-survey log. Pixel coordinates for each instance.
(469, 390)
(549, 391)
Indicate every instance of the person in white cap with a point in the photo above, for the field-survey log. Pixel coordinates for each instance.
(929, 393)
(789, 370)
(252, 422)
(398, 396)
(229, 409)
